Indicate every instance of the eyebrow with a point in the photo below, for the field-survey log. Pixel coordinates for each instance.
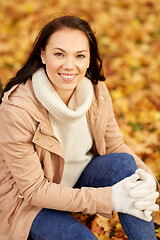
(60, 49)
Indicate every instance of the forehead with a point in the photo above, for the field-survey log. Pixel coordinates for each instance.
(69, 38)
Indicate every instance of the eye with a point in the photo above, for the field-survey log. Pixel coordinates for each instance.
(59, 54)
(80, 56)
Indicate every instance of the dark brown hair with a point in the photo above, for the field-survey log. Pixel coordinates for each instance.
(34, 62)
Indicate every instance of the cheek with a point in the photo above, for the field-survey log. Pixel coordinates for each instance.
(51, 70)
(83, 66)
(52, 66)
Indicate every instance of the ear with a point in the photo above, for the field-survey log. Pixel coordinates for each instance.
(43, 56)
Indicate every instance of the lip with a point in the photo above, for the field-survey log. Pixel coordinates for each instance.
(68, 77)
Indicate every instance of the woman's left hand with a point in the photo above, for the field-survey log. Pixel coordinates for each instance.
(144, 192)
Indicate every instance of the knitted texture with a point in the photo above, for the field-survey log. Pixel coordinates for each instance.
(69, 123)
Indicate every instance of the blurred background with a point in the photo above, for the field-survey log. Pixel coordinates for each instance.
(128, 34)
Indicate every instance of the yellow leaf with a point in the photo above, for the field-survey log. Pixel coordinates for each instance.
(156, 217)
(103, 222)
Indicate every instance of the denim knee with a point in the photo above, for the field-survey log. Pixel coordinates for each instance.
(106, 170)
(126, 164)
(119, 166)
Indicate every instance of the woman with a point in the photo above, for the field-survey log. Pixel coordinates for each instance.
(61, 149)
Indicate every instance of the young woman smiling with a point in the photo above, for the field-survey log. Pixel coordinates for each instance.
(66, 66)
(61, 150)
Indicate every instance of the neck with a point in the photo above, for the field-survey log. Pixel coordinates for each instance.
(65, 97)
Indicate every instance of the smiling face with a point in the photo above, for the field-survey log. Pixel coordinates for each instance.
(67, 56)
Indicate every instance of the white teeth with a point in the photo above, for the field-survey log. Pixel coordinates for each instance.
(67, 76)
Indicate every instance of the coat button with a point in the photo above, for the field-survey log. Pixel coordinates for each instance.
(20, 196)
(50, 145)
(101, 97)
(37, 138)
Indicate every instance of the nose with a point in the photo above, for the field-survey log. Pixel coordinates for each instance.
(69, 63)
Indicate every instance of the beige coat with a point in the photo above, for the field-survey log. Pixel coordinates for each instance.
(31, 161)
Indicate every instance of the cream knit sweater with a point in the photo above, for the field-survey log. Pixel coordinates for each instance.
(69, 123)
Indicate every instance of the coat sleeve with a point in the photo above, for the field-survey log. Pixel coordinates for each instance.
(114, 138)
(22, 160)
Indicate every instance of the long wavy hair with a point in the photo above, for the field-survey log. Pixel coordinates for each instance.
(34, 62)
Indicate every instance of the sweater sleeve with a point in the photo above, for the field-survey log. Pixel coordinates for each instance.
(22, 160)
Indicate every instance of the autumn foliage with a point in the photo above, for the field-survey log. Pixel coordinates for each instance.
(128, 33)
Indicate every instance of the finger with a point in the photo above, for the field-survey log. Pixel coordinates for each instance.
(152, 196)
(143, 184)
(139, 171)
(150, 206)
(147, 194)
(142, 174)
(147, 219)
(139, 193)
(153, 208)
(130, 185)
(132, 181)
(146, 177)
(147, 213)
(141, 215)
(134, 177)
(141, 205)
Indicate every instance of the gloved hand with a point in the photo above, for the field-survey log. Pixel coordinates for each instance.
(145, 191)
(146, 184)
(123, 202)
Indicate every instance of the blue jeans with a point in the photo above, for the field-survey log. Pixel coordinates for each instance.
(102, 171)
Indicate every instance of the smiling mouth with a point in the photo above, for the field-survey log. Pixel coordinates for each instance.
(67, 77)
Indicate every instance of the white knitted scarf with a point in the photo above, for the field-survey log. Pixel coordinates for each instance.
(69, 123)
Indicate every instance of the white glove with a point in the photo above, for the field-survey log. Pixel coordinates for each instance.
(123, 202)
(144, 186)
(145, 191)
